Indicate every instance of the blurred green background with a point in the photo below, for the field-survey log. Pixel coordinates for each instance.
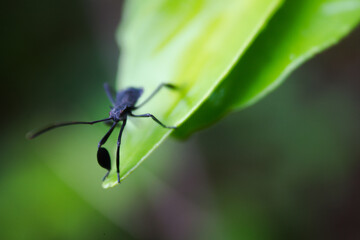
(285, 168)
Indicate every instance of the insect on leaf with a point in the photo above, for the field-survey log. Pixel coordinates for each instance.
(191, 44)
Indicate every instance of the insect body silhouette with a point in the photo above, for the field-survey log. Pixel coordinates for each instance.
(123, 105)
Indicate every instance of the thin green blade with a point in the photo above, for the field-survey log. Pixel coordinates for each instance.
(298, 31)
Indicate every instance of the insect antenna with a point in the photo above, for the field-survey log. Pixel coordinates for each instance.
(32, 135)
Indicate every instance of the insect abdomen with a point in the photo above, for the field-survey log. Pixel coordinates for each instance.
(128, 97)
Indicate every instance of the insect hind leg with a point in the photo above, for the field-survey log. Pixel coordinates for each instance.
(167, 85)
(109, 92)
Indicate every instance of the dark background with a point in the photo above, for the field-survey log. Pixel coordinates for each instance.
(285, 168)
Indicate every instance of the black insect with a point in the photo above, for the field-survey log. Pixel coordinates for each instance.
(123, 105)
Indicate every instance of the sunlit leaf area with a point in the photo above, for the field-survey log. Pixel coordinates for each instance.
(266, 108)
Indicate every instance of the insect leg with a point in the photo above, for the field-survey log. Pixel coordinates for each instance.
(168, 85)
(118, 150)
(154, 118)
(109, 92)
(103, 155)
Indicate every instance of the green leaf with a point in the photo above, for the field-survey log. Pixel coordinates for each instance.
(298, 31)
(192, 44)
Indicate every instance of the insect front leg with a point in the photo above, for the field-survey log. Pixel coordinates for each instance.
(118, 150)
(103, 155)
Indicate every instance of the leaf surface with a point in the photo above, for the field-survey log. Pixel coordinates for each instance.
(298, 31)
